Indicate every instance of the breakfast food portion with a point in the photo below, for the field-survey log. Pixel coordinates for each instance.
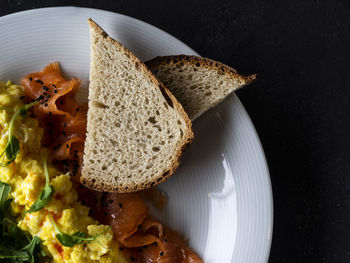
(129, 137)
(45, 216)
(136, 129)
(198, 83)
(42, 177)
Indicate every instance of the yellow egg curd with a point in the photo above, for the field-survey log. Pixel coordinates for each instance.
(26, 177)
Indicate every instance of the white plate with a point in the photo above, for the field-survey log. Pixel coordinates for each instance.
(220, 197)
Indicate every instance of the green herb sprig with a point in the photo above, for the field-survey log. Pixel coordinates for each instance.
(75, 239)
(16, 245)
(45, 195)
(12, 146)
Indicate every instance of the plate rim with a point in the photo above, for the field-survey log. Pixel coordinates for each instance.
(259, 146)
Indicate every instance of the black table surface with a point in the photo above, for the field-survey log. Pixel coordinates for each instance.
(300, 104)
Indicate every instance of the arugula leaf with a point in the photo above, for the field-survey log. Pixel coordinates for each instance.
(12, 147)
(31, 247)
(45, 195)
(4, 204)
(75, 239)
(10, 253)
(16, 245)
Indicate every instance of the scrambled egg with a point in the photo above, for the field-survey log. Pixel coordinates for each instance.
(27, 179)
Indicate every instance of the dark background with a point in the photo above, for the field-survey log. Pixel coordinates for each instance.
(300, 104)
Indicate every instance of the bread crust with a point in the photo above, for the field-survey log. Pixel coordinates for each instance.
(92, 183)
(196, 61)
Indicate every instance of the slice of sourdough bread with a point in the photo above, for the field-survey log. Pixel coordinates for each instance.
(136, 129)
(198, 83)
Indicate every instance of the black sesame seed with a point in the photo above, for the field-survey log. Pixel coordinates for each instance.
(77, 109)
(120, 205)
(33, 100)
(144, 247)
(39, 81)
(64, 134)
(121, 248)
(46, 104)
(40, 97)
(61, 101)
(30, 78)
(161, 253)
(50, 114)
(165, 240)
(67, 146)
(65, 125)
(81, 187)
(110, 201)
(44, 93)
(132, 259)
(53, 85)
(48, 96)
(22, 97)
(155, 244)
(63, 115)
(55, 91)
(139, 226)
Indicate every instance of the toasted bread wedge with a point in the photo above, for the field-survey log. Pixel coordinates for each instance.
(136, 129)
(197, 83)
